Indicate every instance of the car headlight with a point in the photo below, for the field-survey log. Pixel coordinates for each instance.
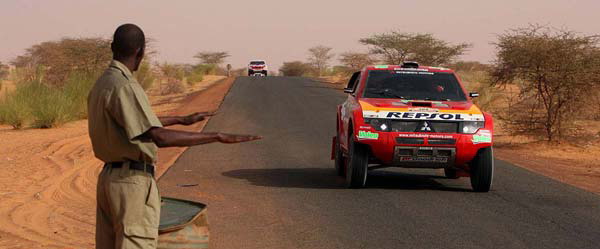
(378, 124)
(470, 127)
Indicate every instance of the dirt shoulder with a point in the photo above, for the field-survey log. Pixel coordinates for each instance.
(48, 176)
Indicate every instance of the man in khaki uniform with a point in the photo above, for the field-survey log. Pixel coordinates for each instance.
(125, 134)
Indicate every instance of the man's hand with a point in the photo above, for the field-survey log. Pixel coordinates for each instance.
(196, 117)
(231, 138)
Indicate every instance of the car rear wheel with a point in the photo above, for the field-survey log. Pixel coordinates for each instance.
(482, 170)
(450, 173)
(339, 160)
(358, 161)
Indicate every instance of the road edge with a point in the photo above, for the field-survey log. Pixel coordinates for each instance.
(217, 92)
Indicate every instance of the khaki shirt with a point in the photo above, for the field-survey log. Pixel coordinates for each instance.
(118, 113)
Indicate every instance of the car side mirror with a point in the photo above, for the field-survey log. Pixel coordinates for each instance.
(473, 94)
(348, 90)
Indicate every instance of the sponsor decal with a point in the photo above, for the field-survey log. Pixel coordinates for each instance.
(364, 127)
(411, 69)
(368, 135)
(483, 136)
(381, 66)
(443, 116)
(424, 159)
(414, 72)
(417, 135)
(423, 109)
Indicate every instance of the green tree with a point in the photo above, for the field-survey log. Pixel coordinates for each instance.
(396, 47)
(319, 57)
(556, 70)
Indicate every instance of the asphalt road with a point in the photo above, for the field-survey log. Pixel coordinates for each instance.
(282, 192)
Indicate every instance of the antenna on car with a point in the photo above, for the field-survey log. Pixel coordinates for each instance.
(410, 64)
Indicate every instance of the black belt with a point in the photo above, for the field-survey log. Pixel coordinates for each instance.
(134, 165)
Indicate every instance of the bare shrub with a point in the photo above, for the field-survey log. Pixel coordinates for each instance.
(319, 57)
(172, 86)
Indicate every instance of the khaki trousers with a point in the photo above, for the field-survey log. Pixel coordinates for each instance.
(128, 209)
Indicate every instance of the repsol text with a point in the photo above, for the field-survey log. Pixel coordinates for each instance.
(423, 115)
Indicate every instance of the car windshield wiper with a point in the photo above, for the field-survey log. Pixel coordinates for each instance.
(387, 92)
(438, 99)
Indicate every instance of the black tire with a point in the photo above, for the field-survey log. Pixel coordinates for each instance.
(265, 73)
(358, 161)
(450, 173)
(482, 170)
(339, 160)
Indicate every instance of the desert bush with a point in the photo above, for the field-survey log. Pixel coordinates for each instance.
(76, 90)
(396, 47)
(206, 69)
(554, 70)
(4, 72)
(172, 86)
(295, 68)
(355, 61)
(145, 75)
(59, 59)
(43, 106)
(49, 106)
(194, 77)
(14, 111)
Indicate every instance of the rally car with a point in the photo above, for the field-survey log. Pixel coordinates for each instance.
(412, 116)
(257, 68)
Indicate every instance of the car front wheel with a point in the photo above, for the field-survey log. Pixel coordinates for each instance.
(358, 161)
(482, 170)
(339, 160)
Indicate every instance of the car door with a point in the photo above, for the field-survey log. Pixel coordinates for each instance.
(347, 107)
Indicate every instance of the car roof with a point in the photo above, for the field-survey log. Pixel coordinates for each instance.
(399, 67)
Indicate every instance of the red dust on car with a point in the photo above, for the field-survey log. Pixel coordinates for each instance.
(412, 116)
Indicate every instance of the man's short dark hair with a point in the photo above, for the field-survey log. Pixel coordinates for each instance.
(127, 40)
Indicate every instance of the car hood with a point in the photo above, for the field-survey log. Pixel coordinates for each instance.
(420, 109)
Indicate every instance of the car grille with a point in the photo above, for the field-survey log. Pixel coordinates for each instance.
(415, 126)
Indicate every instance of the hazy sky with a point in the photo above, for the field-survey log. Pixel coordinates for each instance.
(282, 30)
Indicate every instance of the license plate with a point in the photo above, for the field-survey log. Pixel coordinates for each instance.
(424, 159)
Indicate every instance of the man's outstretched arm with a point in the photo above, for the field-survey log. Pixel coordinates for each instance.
(184, 120)
(163, 137)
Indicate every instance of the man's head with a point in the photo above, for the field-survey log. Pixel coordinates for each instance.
(128, 44)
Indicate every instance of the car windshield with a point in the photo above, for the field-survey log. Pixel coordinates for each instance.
(257, 63)
(413, 85)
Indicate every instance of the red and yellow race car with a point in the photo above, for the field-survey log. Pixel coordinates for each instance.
(414, 117)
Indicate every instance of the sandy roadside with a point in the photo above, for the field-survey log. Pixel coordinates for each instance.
(48, 176)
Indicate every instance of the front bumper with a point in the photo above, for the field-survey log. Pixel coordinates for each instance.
(422, 150)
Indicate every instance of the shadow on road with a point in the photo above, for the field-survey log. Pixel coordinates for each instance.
(322, 178)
